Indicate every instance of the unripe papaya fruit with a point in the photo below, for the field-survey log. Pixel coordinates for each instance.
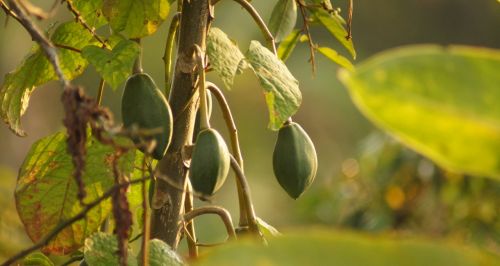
(198, 115)
(144, 106)
(294, 159)
(209, 162)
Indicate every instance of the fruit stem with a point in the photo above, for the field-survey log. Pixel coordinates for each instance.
(188, 207)
(138, 62)
(200, 58)
(169, 52)
(235, 146)
(100, 92)
(221, 212)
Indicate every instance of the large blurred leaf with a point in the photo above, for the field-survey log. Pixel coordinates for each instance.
(102, 250)
(334, 25)
(321, 247)
(46, 190)
(136, 18)
(283, 19)
(224, 55)
(36, 70)
(281, 89)
(442, 102)
(115, 65)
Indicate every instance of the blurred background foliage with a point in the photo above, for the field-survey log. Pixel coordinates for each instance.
(366, 181)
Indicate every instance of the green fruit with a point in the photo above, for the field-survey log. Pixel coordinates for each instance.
(294, 159)
(144, 106)
(209, 163)
(198, 115)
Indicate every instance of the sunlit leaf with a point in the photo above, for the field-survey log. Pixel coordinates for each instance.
(322, 247)
(336, 58)
(37, 259)
(267, 229)
(102, 250)
(115, 65)
(91, 12)
(334, 25)
(442, 102)
(283, 19)
(281, 89)
(46, 190)
(287, 46)
(136, 18)
(36, 70)
(224, 55)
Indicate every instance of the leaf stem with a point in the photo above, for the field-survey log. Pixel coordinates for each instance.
(188, 206)
(145, 217)
(169, 51)
(100, 91)
(200, 59)
(258, 20)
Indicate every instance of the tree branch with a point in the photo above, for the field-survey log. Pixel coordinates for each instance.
(47, 47)
(221, 212)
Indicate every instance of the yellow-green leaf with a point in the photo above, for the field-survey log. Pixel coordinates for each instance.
(136, 18)
(336, 58)
(334, 25)
(442, 102)
(283, 19)
(287, 46)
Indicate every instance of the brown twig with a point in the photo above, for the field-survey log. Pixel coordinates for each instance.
(221, 212)
(47, 47)
(349, 20)
(63, 224)
(306, 29)
(67, 47)
(81, 20)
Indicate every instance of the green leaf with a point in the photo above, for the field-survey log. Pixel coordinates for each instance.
(334, 25)
(322, 247)
(287, 46)
(91, 12)
(442, 102)
(136, 18)
(160, 254)
(115, 65)
(37, 259)
(336, 58)
(102, 250)
(224, 55)
(36, 70)
(283, 19)
(46, 190)
(281, 89)
(267, 229)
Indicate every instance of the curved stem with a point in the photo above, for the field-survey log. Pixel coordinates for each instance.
(138, 62)
(145, 218)
(169, 51)
(258, 19)
(252, 219)
(221, 212)
(200, 59)
(188, 207)
(235, 146)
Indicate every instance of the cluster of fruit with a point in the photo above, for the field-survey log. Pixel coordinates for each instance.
(144, 107)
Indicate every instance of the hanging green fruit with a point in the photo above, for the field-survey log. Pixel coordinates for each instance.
(294, 159)
(144, 106)
(209, 163)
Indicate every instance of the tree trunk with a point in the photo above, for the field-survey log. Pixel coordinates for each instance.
(168, 199)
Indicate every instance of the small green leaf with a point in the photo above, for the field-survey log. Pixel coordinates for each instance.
(287, 46)
(36, 70)
(281, 89)
(102, 250)
(267, 229)
(46, 190)
(91, 12)
(334, 25)
(37, 259)
(224, 55)
(442, 102)
(160, 254)
(115, 65)
(283, 19)
(323, 247)
(136, 18)
(336, 58)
